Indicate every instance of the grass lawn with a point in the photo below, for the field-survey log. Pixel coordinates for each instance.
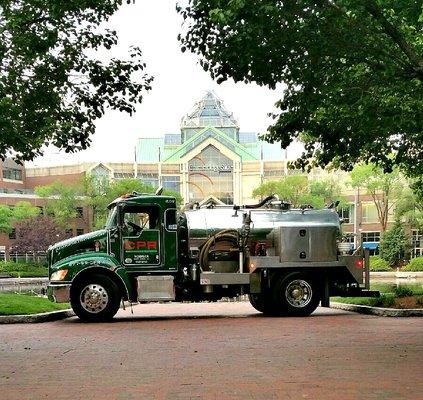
(14, 304)
(23, 270)
(391, 296)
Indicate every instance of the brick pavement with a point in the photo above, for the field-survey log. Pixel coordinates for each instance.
(214, 351)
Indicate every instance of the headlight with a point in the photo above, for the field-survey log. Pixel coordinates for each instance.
(59, 275)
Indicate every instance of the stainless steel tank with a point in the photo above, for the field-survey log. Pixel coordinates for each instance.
(287, 232)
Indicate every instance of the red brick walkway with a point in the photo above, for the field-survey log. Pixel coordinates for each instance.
(214, 351)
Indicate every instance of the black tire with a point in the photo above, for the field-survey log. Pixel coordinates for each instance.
(295, 295)
(262, 302)
(95, 298)
(257, 301)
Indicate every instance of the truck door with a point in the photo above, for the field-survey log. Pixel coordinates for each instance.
(141, 236)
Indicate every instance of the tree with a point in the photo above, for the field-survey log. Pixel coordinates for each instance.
(5, 219)
(52, 88)
(37, 234)
(10, 215)
(24, 210)
(394, 244)
(353, 72)
(384, 188)
(409, 208)
(62, 201)
(298, 191)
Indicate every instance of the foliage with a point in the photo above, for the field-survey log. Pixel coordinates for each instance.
(101, 192)
(409, 208)
(52, 87)
(385, 300)
(377, 264)
(403, 291)
(23, 270)
(22, 304)
(61, 201)
(383, 187)
(353, 72)
(394, 244)
(21, 211)
(5, 219)
(299, 190)
(416, 289)
(37, 234)
(415, 265)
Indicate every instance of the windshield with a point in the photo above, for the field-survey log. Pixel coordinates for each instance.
(111, 219)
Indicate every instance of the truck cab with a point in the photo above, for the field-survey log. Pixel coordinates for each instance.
(96, 270)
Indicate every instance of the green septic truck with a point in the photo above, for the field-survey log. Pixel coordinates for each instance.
(287, 260)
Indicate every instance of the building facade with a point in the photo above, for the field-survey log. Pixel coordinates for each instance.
(17, 186)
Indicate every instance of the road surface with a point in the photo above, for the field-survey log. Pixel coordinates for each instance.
(214, 351)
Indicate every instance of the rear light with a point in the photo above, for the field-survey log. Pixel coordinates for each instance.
(359, 263)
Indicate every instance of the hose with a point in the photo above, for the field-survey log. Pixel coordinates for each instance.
(227, 235)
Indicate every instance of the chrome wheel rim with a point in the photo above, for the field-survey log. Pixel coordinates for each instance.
(94, 298)
(298, 293)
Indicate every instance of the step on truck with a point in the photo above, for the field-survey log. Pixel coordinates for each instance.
(286, 260)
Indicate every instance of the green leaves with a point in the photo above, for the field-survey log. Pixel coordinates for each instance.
(298, 191)
(10, 215)
(394, 244)
(51, 91)
(353, 72)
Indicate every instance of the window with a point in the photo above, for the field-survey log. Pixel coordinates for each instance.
(369, 212)
(171, 183)
(79, 231)
(137, 218)
(12, 173)
(79, 212)
(149, 179)
(170, 220)
(347, 213)
(123, 175)
(416, 243)
(12, 234)
(69, 232)
(370, 236)
(210, 173)
(348, 238)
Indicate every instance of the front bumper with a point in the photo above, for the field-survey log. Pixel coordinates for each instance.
(59, 293)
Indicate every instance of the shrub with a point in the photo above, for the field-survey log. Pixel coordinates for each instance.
(385, 300)
(416, 264)
(26, 270)
(403, 291)
(377, 264)
(394, 244)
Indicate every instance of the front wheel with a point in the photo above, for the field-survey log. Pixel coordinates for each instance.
(295, 295)
(95, 298)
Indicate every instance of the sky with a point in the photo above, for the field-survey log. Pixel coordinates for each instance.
(179, 81)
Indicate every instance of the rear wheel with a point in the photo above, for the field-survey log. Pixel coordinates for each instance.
(95, 298)
(295, 295)
(262, 302)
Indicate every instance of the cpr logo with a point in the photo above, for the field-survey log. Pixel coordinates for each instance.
(140, 245)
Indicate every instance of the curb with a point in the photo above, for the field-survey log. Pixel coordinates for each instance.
(381, 312)
(36, 318)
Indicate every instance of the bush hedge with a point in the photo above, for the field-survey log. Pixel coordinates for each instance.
(377, 264)
(416, 265)
(23, 270)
